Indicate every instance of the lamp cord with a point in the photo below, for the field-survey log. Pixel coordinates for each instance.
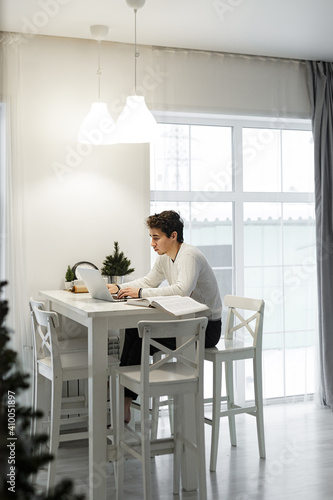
(136, 53)
(99, 71)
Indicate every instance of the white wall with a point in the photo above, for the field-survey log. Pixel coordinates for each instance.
(79, 199)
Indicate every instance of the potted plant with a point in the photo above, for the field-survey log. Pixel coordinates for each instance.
(69, 277)
(116, 265)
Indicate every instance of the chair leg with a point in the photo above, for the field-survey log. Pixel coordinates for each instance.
(113, 414)
(155, 416)
(171, 414)
(33, 397)
(136, 414)
(54, 429)
(39, 388)
(177, 431)
(119, 477)
(145, 448)
(229, 382)
(217, 388)
(156, 404)
(257, 370)
(39, 385)
(113, 405)
(200, 432)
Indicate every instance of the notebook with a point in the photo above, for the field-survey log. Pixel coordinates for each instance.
(97, 286)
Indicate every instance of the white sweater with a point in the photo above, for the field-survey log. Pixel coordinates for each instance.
(189, 275)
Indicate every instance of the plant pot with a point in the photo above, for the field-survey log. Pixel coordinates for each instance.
(68, 285)
(116, 280)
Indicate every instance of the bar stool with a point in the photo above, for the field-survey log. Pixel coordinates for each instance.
(59, 366)
(246, 315)
(176, 374)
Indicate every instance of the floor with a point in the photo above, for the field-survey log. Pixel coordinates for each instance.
(299, 463)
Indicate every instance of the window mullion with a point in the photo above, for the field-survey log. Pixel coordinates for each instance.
(238, 210)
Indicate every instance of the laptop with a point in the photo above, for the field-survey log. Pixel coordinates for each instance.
(97, 286)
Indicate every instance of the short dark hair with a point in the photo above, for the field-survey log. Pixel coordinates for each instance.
(168, 222)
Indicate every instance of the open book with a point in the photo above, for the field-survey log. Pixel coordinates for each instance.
(174, 304)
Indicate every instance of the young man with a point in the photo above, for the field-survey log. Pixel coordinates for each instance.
(188, 274)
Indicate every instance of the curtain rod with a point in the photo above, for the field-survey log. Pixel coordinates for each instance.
(229, 54)
(173, 49)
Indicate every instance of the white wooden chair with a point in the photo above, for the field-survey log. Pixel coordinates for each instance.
(247, 315)
(176, 374)
(71, 405)
(65, 344)
(60, 366)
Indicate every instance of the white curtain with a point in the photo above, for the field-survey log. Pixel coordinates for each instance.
(13, 223)
(211, 82)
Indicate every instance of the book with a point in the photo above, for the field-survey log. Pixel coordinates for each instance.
(173, 304)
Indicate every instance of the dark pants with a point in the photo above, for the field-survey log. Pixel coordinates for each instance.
(131, 354)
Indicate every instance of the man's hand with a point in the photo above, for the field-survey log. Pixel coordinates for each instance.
(128, 292)
(113, 288)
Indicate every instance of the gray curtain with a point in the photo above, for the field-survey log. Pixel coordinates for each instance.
(320, 83)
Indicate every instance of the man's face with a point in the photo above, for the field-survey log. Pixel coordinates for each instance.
(160, 242)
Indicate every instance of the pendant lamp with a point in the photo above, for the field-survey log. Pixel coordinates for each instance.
(135, 123)
(98, 127)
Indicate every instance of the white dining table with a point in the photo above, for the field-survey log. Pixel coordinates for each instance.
(99, 316)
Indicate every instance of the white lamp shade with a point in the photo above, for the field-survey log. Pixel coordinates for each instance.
(135, 4)
(98, 127)
(135, 122)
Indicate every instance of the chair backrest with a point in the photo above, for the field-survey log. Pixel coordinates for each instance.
(190, 342)
(45, 324)
(36, 303)
(245, 313)
(37, 341)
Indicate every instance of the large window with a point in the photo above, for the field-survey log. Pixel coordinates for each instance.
(245, 190)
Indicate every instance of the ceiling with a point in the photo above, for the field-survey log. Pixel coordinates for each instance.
(297, 29)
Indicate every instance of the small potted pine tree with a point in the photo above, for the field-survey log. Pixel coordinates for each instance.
(69, 277)
(116, 265)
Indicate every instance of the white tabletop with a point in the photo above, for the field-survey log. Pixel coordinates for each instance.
(84, 304)
(81, 307)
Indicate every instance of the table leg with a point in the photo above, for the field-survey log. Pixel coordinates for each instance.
(97, 393)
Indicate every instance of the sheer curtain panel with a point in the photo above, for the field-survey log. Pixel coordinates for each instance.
(13, 223)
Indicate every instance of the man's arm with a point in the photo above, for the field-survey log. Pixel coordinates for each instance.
(183, 284)
(151, 281)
